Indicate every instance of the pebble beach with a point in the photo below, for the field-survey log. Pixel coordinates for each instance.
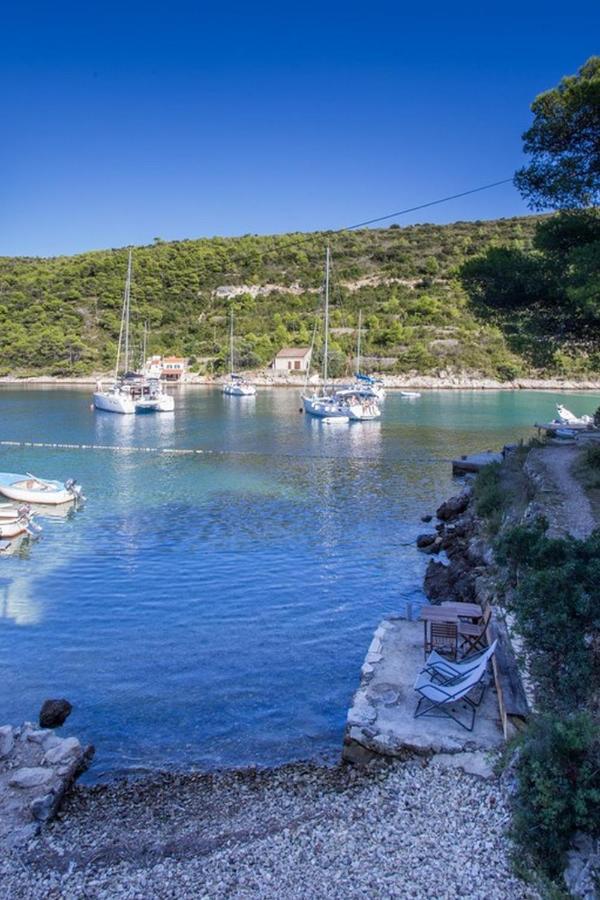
(401, 829)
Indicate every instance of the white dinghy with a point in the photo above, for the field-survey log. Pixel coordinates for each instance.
(566, 417)
(30, 489)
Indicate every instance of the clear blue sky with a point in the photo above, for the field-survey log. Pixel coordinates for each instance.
(122, 122)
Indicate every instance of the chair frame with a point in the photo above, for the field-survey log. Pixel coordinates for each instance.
(444, 707)
(475, 641)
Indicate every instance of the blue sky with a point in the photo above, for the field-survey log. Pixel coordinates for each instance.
(123, 122)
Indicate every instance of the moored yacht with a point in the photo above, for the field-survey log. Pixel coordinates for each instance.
(130, 392)
(325, 405)
(236, 385)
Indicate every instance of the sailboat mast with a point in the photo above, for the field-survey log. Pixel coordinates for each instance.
(127, 302)
(326, 349)
(231, 342)
(358, 344)
(124, 329)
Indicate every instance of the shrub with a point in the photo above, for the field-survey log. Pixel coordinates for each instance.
(557, 611)
(558, 789)
(487, 491)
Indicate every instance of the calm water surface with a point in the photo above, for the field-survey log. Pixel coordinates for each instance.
(214, 610)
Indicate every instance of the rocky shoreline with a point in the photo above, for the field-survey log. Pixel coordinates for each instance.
(413, 381)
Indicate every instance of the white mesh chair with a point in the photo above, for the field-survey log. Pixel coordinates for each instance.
(448, 669)
(442, 700)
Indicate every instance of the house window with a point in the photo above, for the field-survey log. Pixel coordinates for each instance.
(297, 364)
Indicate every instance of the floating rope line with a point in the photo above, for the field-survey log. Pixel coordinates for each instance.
(186, 451)
(115, 448)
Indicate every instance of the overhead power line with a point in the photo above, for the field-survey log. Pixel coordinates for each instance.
(409, 209)
(310, 236)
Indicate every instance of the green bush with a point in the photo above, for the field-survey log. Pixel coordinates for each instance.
(557, 611)
(556, 607)
(558, 789)
(487, 491)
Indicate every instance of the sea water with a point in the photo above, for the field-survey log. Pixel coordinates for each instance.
(214, 609)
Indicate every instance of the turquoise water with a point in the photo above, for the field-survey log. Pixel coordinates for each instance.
(214, 610)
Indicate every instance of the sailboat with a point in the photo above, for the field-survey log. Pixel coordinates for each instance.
(363, 396)
(236, 385)
(130, 392)
(366, 384)
(326, 406)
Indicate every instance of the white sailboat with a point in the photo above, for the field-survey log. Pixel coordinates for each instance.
(236, 385)
(326, 406)
(362, 397)
(130, 393)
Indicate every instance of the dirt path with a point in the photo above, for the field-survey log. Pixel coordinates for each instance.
(564, 501)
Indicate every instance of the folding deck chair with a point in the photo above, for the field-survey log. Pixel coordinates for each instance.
(438, 700)
(448, 669)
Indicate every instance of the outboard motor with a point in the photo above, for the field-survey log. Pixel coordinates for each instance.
(74, 489)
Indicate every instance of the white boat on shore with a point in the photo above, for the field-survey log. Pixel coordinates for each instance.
(30, 489)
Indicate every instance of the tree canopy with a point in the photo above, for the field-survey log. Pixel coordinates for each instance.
(564, 144)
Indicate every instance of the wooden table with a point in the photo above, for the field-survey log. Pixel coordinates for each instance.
(464, 610)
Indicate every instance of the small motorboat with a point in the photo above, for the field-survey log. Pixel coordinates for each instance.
(30, 489)
(9, 511)
(570, 420)
(21, 524)
(410, 395)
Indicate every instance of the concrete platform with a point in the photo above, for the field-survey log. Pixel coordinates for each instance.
(381, 719)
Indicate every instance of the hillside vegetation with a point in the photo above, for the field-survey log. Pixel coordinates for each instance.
(61, 316)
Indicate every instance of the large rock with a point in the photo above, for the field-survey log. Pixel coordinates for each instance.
(453, 507)
(424, 540)
(67, 748)
(438, 585)
(30, 777)
(54, 713)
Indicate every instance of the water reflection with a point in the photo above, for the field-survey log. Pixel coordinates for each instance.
(17, 604)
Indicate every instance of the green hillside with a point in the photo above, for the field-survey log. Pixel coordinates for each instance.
(61, 315)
